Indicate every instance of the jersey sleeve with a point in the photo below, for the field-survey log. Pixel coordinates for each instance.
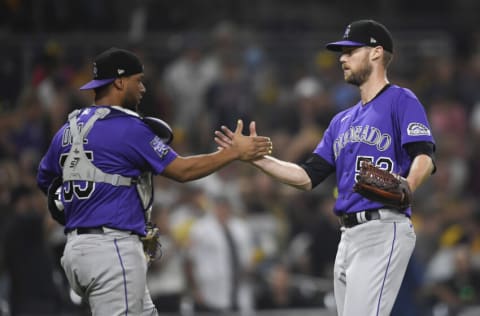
(150, 148)
(412, 118)
(317, 168)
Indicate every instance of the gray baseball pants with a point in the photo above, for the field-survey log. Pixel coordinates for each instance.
(109, 271)
(370, 264)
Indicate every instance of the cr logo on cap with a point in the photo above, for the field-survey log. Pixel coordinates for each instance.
(95, 70)
(347, 33)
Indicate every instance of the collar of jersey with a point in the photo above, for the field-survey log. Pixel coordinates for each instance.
(385, 87)
(124, 110)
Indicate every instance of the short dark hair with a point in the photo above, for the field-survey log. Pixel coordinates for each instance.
(387, 58)
(102, 90)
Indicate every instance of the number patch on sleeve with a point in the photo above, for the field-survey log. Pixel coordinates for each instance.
(159, 147)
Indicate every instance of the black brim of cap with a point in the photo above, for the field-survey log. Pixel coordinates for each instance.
(96, 83)
(337, 46)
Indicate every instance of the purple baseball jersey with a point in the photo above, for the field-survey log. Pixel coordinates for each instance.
(118, 144)
(376, 132)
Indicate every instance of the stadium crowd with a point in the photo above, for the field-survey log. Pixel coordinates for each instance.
(290, 236)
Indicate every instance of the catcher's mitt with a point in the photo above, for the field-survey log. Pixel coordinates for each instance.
(382, 186)
(151, 243)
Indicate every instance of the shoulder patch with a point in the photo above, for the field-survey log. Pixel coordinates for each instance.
(159, 147)
(417, 129)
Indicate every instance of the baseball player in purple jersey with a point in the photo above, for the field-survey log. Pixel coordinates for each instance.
(103, 159)
(387, 127)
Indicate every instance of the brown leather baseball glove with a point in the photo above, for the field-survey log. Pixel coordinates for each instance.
(151, 243)
(379, 185)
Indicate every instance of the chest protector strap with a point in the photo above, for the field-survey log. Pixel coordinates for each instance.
(77, 166)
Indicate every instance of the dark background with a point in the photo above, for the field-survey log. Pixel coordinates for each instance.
(274, 69)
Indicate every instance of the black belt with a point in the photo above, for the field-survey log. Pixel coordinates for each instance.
(353, 219)
(90, 230)
(94, 230)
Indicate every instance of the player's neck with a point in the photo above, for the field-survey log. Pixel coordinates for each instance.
(108, 100)
(370, 89)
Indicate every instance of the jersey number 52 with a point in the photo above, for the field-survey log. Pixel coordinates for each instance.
(384, 163)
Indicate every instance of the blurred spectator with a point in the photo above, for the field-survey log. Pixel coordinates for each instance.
(440, 83)
(325, 226)
(10, 77)
(280, 290)
(253, 69)
(186, 80)
(461, 288)
(223, 42)
(220, 261)
(28, 260)
(165, 278)
(449, 119)
(409, 301)
(303, 118)
(469, 80)
(31, 127)
(473, 183)
(266, 215)
(230, 97)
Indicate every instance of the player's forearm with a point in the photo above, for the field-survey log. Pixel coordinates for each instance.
(420, 170)
(285, 172)
(190, 168)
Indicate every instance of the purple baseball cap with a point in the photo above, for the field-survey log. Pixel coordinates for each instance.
(112, 64)
(364, 33)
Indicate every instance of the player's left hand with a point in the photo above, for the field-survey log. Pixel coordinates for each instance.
(151, 243)
(382, 186)
(252, 146)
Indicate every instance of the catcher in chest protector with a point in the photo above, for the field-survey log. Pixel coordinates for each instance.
(98, 173)
(381, 150)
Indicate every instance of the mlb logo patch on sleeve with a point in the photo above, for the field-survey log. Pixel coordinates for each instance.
(417, 129)
(159, 147)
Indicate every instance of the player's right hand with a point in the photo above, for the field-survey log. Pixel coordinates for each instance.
(248, 147)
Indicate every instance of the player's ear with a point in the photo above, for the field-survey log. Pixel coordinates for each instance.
(119, 83)
(376, 53)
